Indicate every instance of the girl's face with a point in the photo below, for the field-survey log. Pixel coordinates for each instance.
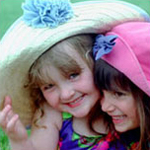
(121, 106)
(75, 93)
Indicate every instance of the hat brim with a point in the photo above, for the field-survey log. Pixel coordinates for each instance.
(22, 45)
(134, 54)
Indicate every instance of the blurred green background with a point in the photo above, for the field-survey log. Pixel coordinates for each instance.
(11, 10)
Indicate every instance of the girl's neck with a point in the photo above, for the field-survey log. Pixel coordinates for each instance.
(80, 126)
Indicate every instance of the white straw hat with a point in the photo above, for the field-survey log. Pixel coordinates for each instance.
(31, 35)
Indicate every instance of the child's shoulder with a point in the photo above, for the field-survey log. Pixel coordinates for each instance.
(51, 116)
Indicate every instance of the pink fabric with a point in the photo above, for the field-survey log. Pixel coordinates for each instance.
(131, 54)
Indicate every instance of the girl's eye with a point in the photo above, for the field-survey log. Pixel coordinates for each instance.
(73, 75)
(47, 87)
(120, 94)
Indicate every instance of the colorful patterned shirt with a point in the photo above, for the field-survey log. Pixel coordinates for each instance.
(70, 140)
(125, 141)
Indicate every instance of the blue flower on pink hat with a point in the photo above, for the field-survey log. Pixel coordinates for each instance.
(103, 45)
(46, 13)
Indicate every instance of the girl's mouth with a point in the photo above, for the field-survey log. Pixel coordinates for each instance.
(118, 119)
(76, 102)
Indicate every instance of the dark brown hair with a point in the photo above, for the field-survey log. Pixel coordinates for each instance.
(108, 78)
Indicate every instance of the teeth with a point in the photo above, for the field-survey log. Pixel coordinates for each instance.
(74, 102)
(118, 117)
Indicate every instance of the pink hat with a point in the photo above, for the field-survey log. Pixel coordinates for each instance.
(131, 53)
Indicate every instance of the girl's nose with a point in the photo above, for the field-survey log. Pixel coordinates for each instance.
(106, 104)
(66, 93)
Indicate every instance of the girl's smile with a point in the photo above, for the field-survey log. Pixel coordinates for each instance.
(76, 102)
(118, 119)
(121, 106)
(73, 92)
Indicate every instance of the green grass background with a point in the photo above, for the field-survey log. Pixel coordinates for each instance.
(11, 10)
(4, 144)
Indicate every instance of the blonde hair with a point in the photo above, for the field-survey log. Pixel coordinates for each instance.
(57, 56)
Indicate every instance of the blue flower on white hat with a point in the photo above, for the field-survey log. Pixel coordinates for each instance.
(46, 13)
(103, 45)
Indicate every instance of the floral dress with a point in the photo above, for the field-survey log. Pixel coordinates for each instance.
(70, 140)
(125, 141)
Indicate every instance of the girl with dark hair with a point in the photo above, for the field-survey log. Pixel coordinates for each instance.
(122, 74)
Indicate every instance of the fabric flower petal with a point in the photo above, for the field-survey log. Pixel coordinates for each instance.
(103, 45)
(46, 13)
